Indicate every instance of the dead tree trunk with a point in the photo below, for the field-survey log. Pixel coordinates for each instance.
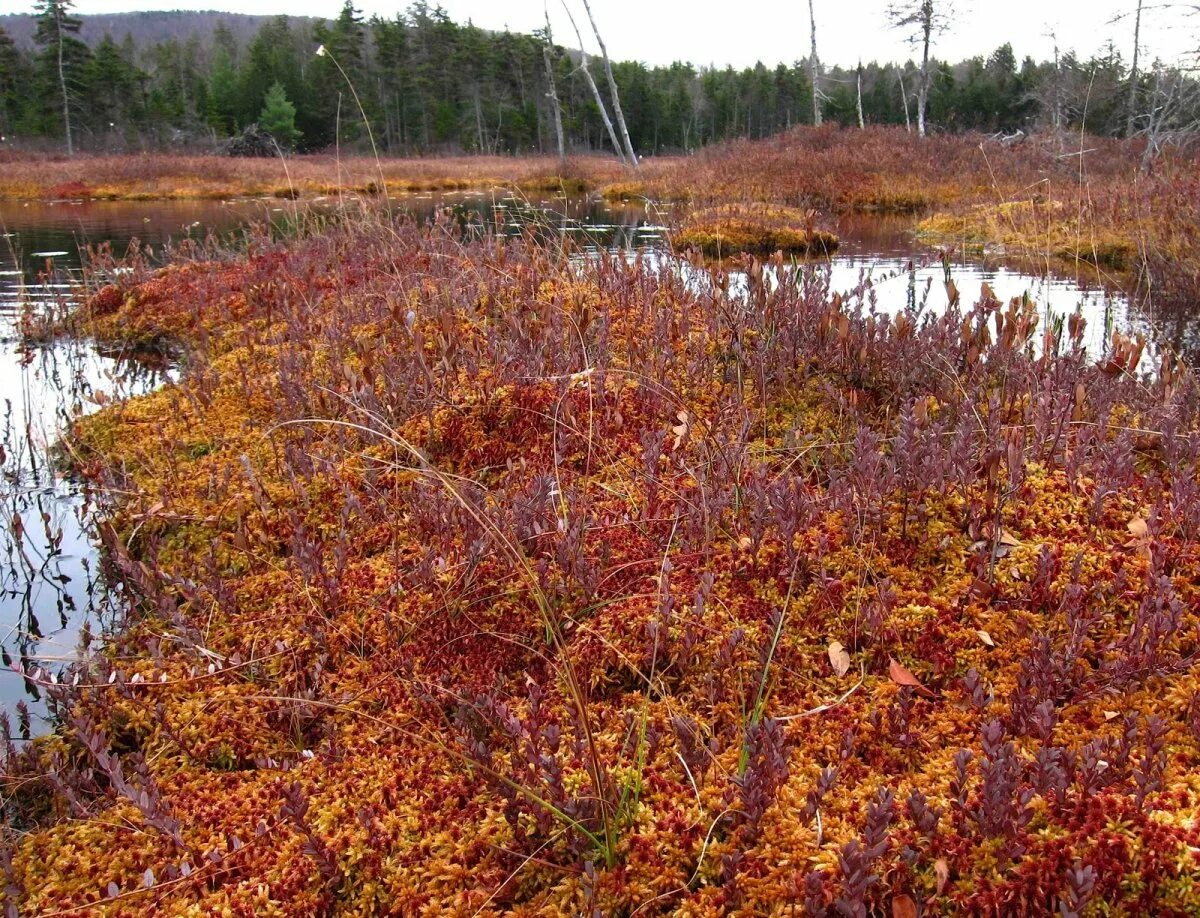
(904, 99)
(552, 90)
(1130, 123)
(923, 93)
(921, 19)
(612, 89)
(814, 66)
(587, 75)
(62, 81)
(858, 99)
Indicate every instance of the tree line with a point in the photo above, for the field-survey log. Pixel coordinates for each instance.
(425, 83)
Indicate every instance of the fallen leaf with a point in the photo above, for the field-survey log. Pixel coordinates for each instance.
(681, 429)
(1110, 715)
(986, 638)
(1000, 547)
(744, 543)
(839, 658)
(1141, 536)
(903, 906)
(902, 676)
(942, 870)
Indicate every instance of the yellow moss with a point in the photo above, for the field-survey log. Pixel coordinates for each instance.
(758, 228)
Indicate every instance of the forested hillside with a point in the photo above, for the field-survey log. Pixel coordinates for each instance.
(427, 83)
(144, 28)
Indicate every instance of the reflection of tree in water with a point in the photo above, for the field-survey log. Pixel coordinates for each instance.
(1179, 327)
(584, 222)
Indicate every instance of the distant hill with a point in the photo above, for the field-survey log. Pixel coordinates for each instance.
(147, 28)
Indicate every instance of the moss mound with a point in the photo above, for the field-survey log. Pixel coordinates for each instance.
(756, 228)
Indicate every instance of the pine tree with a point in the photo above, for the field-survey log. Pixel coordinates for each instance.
(10, 81)
(278, 117)
(223, 82)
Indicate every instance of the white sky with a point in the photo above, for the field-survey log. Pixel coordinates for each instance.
(744, 31)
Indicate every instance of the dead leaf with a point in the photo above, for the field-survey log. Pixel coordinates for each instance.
(839, 658)
(901, 676)
(744, 543)
(986, 638)
(1141, 536)
(1000, 547)
(942, 870)
(903, 906)
(1111, 715)
(921, 410)
(952, 292)
(681, 429)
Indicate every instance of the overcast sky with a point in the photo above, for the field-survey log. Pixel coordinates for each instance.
(744, 31)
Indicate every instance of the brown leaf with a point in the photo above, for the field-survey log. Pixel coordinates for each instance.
(1141, 536)
(921, 410)
(986, 638)
(901, 676)
(839, 658)
(903, 906)
(952, 292)
(942, 871)
(681, 429)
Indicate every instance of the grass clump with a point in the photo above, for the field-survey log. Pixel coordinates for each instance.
(1037, 228)
(758, 229)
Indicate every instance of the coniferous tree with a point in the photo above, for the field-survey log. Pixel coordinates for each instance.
(222, 113)
(10, 81)
(427, 83)
(278, 117)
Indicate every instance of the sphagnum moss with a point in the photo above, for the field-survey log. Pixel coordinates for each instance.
(345, 698)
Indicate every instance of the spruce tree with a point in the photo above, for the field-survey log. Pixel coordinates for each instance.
(278, 117)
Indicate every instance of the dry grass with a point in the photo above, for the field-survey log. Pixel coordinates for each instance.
(159, 177)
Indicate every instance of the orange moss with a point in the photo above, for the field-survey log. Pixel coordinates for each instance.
(756, 228)
(415, 498)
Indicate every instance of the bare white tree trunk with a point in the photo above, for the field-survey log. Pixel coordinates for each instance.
(612, 89)
(904, 99)
(587, 75)
(814, 67)
(861, 123)
(552, 90)
(62, 82)
(1133, 72)
(923, 93)
(1057, 107)
(921, 19)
